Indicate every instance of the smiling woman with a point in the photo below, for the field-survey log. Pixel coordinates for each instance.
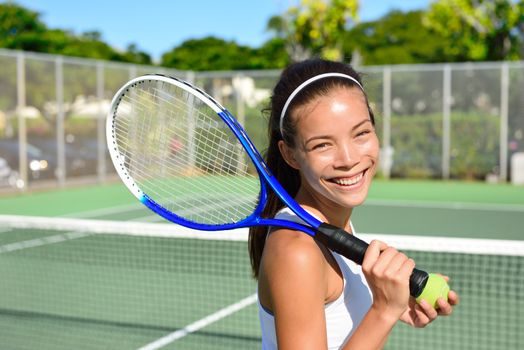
(324, 150)
(337, 148)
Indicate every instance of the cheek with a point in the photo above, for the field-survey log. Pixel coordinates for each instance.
(370, 148)
(311, 168)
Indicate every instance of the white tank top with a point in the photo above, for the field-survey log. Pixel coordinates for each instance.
(342, 315)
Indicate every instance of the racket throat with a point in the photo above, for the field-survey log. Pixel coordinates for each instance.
(341, 242)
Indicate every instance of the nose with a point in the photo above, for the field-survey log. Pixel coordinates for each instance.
(347, 156)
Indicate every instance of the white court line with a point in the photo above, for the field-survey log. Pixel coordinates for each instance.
(197, 325)
(118, 209)
(182, 213)
(105, 211)
(38, 242)
(445, 205)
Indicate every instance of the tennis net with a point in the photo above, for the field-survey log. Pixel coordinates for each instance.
(92, 284)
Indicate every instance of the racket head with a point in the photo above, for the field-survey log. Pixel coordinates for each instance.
(186, 158)
(178, 151)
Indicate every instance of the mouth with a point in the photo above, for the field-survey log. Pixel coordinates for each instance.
(349, 182)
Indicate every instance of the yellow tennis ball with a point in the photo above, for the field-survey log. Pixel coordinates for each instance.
(435, 288)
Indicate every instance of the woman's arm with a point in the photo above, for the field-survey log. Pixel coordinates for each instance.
(387, 272)
(373, 331)
(293, 284)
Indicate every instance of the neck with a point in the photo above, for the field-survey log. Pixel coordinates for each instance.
(324, 209)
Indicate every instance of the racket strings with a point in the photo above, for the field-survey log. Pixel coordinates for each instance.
(211, 139)
(182, 155)
(168, 163)
(205, 158)
(163, 197)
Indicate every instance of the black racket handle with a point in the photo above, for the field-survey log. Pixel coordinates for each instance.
(354, 249)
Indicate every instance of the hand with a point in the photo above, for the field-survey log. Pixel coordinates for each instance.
(387, 272)
(420, 315)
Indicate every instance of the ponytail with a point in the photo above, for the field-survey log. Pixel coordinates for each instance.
(289, 178)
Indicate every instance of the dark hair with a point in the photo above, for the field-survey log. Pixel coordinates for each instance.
(288, 177)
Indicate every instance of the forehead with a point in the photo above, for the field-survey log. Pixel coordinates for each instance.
(341, 105)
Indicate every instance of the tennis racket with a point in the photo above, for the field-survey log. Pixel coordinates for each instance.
(186, 158)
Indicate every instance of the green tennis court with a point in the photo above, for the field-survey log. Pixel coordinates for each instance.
(120, 292)
(74, 287)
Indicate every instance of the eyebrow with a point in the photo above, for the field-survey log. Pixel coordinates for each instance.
(328, 136)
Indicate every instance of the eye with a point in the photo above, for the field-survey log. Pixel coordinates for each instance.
(364, 132)
(320, 146)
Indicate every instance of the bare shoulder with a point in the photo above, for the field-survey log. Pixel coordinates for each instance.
(291, 253)
(289, 246)
(293, 272)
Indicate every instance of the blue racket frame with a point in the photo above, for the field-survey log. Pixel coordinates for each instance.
(255, 218)
(333, 237)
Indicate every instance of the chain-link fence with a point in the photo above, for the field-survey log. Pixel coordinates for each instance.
(460, 121)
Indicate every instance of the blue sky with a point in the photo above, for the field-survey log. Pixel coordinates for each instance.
(156, 26)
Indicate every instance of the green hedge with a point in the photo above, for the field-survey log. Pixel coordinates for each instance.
(416, 141)
(417, 145)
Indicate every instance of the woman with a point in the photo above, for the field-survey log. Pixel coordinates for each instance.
(324, 150)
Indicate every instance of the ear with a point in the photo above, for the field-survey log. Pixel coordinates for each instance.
(288, 154)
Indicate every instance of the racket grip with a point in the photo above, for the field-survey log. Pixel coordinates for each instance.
(354, 249)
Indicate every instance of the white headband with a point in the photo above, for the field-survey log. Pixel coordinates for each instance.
(306, 83)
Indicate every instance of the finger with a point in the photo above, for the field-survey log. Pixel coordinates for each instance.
(396, 261)
(425, 312)
(400, 268)
(453, 298)
(407, 268)
(372, 254)
(444, 308)
(386, 262)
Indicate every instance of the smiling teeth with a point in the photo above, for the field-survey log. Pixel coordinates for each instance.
(348, 182)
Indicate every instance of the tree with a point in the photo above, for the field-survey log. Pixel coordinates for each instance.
(22, 29)
(315, 27)
(18, 25)
(14, 20)
(271, 55)
(133, 54)
(212, 53)
(520, 27)
(479, 30)
(396, 38)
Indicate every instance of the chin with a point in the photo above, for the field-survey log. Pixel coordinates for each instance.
(354, 202)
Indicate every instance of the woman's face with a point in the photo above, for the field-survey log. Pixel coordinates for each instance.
(336, 147)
